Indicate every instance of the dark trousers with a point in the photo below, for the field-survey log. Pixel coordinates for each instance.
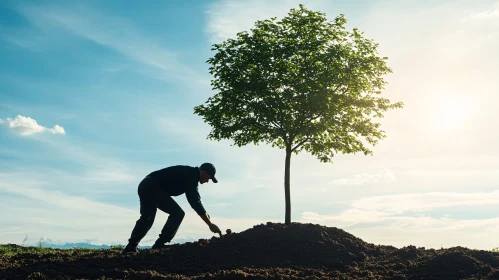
(153, 197)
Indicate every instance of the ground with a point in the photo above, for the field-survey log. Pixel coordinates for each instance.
(266, 251)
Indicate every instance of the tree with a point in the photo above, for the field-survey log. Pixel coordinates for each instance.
(301, 83)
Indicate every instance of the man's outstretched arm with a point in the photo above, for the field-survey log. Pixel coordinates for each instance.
(194, 200)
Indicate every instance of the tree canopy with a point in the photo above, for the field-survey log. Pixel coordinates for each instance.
(299, 83)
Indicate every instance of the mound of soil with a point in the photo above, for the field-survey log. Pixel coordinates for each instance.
(271, 251)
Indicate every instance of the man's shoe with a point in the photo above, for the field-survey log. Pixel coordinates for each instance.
(130, 248)
(157, 246)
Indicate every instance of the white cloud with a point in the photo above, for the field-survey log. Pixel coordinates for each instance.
(57, 130)
(99, 165)
(25, 125)
(384, 176)
(188, 128)
(401, 220)
(399, 204)
(111, 176)
(28, 126)
(376, 209)
(490, 14)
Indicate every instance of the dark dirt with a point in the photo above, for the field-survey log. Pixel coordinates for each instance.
(271, 251)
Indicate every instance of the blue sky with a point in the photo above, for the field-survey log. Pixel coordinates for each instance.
(94, 95)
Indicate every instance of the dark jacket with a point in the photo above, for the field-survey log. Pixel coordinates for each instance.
(180, 179)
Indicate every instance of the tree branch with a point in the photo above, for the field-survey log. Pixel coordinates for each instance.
(303, 123)
(299, 144)
(313, 117)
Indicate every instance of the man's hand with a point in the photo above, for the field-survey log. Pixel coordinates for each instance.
(214, 228)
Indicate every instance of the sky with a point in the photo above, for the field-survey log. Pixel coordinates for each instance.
(94, 95)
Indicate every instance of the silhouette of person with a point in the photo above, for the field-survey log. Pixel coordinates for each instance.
(155, 192)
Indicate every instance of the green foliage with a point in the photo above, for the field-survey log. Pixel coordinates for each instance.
(496, 250)
(12, 249)
(302, 83)
(117, 248)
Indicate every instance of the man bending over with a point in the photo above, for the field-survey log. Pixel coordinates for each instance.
(156, 191)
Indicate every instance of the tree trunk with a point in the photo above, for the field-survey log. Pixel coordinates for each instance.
(286, 185)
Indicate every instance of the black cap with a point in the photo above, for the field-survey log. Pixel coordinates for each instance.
(210, 168)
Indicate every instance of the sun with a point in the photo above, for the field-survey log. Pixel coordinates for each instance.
(452, 112)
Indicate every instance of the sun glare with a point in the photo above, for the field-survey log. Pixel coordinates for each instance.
(452, 112)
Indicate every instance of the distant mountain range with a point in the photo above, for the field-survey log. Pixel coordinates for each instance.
(75, 245)
(50, 244)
